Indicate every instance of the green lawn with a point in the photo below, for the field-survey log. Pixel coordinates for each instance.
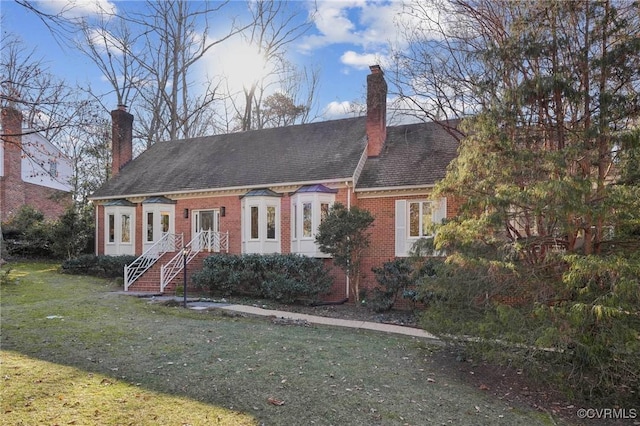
(73, 352)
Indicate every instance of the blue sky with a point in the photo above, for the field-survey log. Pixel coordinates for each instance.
(346, 37)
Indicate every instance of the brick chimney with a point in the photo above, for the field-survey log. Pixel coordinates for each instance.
(376, 111)
(121, 138)
(12, 194)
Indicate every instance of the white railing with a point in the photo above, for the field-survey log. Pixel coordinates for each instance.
(203, 241)
(168, 242)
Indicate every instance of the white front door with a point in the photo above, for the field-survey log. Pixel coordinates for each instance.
(206, 220)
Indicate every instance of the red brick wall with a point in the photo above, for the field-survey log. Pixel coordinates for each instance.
(382, 248)
(14, 193)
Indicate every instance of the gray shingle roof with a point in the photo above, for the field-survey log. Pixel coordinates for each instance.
(413, 154)
(313, 152)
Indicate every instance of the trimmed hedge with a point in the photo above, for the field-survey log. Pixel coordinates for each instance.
(99, 266)
(282, 277)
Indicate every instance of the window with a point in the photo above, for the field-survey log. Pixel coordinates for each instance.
(53, 168)
(324, 211)
(149, 226)
(119, 219)
(294, 220)
(420, 219)
(271, 223)
(255, 223)
(261, 221)
(415, 219)
(112, 228)
(126, 228)
(309, 207)
(306, 220)
(158, 215)
(164, 222)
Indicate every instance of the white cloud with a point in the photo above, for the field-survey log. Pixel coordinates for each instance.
(105, 42)
(336, 110)
(79, 8)
(361, 61)
(358, 22)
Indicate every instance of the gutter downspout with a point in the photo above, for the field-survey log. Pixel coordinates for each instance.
(346, 183)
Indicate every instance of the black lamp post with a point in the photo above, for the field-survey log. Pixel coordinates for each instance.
(185, 253)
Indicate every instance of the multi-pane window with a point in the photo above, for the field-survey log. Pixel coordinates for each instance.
(420, 218)
(112, 228)
(309, 207)
(158, 221)
(261, 221)
(271, 222)
(164, 222)
(324, 211)
(149, 226)
(126, 228)
(255, 223)
(307, 220)
(416, 219)
(119, 219)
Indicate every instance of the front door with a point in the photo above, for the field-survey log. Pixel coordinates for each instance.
(207, 220)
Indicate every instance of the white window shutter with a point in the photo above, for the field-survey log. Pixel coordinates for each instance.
(440, 211)
(401, 228)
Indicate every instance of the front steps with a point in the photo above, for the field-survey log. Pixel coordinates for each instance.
(149, 282)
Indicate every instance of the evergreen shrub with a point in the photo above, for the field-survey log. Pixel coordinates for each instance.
(282, 277)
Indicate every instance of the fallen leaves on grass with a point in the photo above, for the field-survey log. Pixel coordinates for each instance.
(275, 401)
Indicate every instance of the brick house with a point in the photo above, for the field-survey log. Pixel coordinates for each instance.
(32, 171)
(265, 191)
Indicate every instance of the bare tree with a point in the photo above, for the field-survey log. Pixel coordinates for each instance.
(56, 111)
(111, 45)
(177, 37)
(44, 100)
(275, 27)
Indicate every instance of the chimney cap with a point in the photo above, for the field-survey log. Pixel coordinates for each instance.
(375, 69)
(122, 107)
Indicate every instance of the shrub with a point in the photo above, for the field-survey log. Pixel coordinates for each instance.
(72, 233)
(283, 277)
(289, 277)
(99, 266)
(344, 234)
(578, 329)
(395, 277)
(6, 278)
(27, 234)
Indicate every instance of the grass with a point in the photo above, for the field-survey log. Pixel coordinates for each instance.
(74, 352)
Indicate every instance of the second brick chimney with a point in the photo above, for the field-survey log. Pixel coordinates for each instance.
(121, 138)
(376, 111)
(11, 185)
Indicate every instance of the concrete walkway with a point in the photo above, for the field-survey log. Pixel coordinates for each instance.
(197, 304)
(313, 319)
